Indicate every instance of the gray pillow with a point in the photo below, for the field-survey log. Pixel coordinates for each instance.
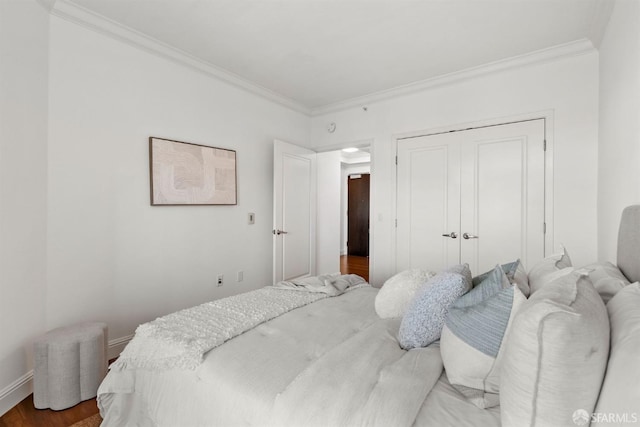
(539, 272)
(555, 355)
(620, 393)
(423, 321)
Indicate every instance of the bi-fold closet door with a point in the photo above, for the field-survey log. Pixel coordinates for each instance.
(474, 196)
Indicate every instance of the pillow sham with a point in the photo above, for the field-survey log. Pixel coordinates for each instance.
(546, 266)
(607, 279)
(423, 321)
(473, 335)
(396, 293)
(556, 354)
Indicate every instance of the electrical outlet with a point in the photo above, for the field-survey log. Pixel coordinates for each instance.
(240, 276)
(220, 279)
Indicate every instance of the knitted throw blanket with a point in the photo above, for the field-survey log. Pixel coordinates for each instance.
(180, 340)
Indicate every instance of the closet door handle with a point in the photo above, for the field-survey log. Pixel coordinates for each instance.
(453, 235)
(279, 232)
(468, 236)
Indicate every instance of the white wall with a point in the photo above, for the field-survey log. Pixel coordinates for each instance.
(568, 87)
(79, 239)
(23, 171)
(619, 133)
(112, 256)
(328, 213)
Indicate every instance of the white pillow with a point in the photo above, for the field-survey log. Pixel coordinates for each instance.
(556, 354)
(620, 392)
(474, 334)
(396, 293)
(547, 266)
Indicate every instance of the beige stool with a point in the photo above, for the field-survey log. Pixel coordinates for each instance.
(69, 364)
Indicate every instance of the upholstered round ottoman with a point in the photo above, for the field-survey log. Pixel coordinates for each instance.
(69, 364)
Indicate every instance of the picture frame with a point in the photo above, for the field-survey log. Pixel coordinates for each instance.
(187, 174)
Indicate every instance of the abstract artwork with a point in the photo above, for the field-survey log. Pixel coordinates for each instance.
(191, 174)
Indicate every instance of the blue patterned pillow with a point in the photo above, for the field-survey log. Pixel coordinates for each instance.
(423, 321)
(509, 267)
(514, 271)
(472, 337)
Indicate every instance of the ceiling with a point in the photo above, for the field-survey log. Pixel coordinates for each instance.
(318, 53)
(362, 155)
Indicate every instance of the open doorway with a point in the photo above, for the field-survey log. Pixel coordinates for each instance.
(356, 170)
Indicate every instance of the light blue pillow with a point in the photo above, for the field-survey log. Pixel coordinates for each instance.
(508, 268)
(423, 321)
(473, 336)
(514, 271)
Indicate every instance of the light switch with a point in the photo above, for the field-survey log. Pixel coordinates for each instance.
(252, 218)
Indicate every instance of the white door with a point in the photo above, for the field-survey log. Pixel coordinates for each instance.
(495, 173)
(502, 194)
(294, 205)
(428, 203)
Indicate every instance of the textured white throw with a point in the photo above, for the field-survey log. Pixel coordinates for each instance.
(180, 340)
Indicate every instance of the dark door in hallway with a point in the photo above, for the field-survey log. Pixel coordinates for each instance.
(358, 215)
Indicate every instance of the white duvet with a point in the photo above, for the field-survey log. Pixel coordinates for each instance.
(333, 362)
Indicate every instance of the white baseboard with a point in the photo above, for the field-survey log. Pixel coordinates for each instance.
(117, 345)
(15, 392)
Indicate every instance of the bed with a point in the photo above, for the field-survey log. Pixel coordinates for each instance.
(326, 353)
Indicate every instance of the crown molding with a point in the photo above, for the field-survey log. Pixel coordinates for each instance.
(72, 12)
(577, 47)
(69, 11)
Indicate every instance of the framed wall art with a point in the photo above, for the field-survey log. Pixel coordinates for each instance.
(191, 174)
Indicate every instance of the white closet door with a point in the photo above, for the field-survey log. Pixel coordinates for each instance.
(502, 194)
(428, 203)
(486, 184)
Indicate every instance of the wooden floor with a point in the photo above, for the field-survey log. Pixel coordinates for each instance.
(24, 414)
(359, 265)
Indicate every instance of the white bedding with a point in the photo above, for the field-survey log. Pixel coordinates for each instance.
(332, 362)
(446, 407)
(180, 339)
